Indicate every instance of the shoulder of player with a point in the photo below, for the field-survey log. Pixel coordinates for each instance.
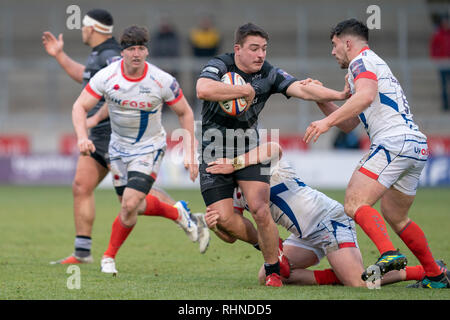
(156, 72)
(108, 70)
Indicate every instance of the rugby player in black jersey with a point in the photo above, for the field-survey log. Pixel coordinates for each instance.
(225, 136)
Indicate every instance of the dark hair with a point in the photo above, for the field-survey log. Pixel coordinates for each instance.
(249, 29)
(350, 27)
(101, 16)
(134, 36)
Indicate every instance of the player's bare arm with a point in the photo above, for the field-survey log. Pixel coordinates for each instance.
(82, 105)
(99, 116)
(270, 151)
(315, 92)
(186, 119)
(212, 90)
(54, 47)
(329, 107)
(365, 92)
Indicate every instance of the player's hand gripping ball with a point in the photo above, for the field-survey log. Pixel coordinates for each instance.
(235, 107)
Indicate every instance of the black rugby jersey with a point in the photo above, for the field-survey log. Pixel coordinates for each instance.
(101, 56)
(269, 80)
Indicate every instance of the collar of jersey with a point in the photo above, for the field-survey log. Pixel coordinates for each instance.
(137, 79)
(364, 49)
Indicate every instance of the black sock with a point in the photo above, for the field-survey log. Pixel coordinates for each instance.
(83, 246)
(256, 246)
(272, 268)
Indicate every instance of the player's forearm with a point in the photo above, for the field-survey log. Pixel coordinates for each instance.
(79, 121)
(264, 153)
(315, 92)
(187, 123)
(72, 68)
(211, 90)
(349, 110)
(329, 107)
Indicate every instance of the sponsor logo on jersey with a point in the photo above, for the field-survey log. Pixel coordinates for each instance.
(357, 67)
(285, 74)
(211, 69)
(421, 151)
(132, 103)
(143, 90)
(175, 87)
(112, 59)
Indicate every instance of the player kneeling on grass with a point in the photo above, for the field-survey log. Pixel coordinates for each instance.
(138, 139)
(318, 225)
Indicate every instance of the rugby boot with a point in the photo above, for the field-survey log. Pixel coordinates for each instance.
(203, 231)
(390, 260)
(185, 221)
(273, 280)
(73, 259)
(108, 265)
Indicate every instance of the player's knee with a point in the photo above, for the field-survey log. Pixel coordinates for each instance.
(350, 207)
(261, 214)
(129, 205)
(81, 188)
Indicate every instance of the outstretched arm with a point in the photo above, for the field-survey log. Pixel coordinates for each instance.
(365, 93)
(316, 92)
(54, 47)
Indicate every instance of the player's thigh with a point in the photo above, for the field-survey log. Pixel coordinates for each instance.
(395, 206)
(89, 173)
(300, 258)
(348, 266)
(362, 190)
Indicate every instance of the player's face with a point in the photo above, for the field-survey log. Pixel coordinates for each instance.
(86, 33)
(135, 56)
(252, 54)
(339, 52)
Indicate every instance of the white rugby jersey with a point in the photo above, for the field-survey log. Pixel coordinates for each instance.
(389, 114)
(135, 104)
(293, 205)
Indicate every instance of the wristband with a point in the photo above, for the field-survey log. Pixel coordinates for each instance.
(239, 162)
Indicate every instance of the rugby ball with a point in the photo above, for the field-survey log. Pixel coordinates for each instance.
(233, 107)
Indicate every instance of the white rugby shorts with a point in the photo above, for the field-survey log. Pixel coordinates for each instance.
(334, 232)
(146, 161)
(396, 161)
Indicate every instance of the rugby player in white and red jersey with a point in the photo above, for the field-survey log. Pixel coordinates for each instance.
(135, 92)
(317, 224)
(390, 171)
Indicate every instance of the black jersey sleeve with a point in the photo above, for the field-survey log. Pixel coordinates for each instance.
(282, 81)
(214, 69)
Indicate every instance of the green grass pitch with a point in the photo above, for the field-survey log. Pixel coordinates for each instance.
(159, 262)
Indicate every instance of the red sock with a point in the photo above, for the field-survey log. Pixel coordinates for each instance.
(415, 240)
(414, 273)
(374, 226)
(159, 208)
(119, 234)
(326, 276)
